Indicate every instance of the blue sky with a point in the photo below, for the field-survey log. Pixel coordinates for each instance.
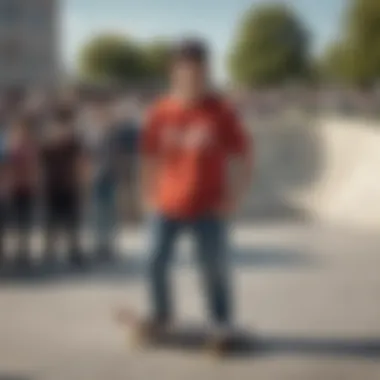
(214, 20)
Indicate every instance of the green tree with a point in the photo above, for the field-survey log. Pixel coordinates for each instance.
(271, 47)
(157, 54)
(333, 65)
(355, 58)
(112, 59)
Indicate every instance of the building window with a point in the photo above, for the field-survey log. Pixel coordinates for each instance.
(11, 52)
(10, 11)
(38, 16)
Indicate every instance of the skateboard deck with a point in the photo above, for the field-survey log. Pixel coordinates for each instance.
(184, 337)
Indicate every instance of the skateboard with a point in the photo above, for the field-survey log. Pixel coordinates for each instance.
(184, 337)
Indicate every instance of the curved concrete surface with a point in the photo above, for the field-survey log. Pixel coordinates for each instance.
(326, 170)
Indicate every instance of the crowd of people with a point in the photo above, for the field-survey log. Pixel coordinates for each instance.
(62, 152)
(57, 157)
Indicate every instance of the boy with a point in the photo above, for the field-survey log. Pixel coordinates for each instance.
(62, 163)
(187, 141)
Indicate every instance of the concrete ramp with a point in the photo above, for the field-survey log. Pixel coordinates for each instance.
(325, 170)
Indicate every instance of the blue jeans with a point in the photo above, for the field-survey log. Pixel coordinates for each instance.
(210, 236)
(105, 215)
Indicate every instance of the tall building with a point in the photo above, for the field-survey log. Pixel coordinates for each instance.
(29, 43)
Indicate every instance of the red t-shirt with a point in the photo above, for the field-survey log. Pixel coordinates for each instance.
(191, 146)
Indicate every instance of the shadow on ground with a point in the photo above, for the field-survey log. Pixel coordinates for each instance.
(135, 266)
(312, 346)
(364, 348)
(242, 344)
(275, 210)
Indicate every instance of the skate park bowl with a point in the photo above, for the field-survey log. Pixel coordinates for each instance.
(323, 170)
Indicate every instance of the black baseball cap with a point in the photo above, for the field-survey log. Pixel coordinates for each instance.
(190, 49)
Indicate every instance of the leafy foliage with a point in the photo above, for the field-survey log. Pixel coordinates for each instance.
(112, 58)
(355, 58)
(271, 47)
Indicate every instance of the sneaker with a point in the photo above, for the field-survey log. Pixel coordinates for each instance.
(220, 339)
(144, 330)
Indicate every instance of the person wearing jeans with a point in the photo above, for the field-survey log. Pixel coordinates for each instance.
(103, 147)
(104, 215)
(210, 235)
(190, 140)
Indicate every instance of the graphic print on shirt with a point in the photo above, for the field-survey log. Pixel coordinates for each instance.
(195, 137)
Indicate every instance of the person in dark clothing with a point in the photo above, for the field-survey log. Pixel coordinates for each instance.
(127, 130)
(102, 145)
(128, 137)
(62, 158)
(22, 172)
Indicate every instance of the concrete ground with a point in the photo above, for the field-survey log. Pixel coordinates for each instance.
(309, 293)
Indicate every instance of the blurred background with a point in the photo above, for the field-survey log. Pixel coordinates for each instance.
(304, 76)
